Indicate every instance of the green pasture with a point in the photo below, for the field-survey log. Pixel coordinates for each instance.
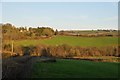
(75, 69)
(72, 41)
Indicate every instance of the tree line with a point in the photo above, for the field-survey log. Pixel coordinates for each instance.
(10, 32)
(64, 51)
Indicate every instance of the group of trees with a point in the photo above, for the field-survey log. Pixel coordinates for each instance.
(11, 32)
(40, 31)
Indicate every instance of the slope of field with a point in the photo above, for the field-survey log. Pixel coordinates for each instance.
(75, 69)
(73, 41)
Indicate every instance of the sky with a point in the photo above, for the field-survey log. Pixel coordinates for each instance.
(62, 15)
(59, 0)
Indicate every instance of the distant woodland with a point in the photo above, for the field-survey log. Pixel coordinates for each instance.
(9, 32)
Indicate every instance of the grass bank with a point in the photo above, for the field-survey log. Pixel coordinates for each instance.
(75, 69)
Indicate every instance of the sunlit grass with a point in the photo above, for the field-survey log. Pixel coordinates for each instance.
(75, 69)
(72, 41)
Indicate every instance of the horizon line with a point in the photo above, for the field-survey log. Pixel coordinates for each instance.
(58, 28)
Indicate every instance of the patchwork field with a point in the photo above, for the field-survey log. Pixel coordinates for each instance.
(65, 68)
(72, 41)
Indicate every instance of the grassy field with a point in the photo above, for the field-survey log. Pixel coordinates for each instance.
(73, 41)
(75, 69)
